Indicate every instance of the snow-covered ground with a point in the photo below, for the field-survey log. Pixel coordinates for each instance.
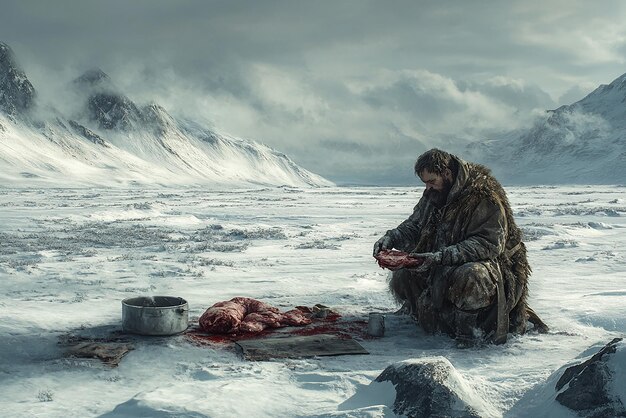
(69, 256)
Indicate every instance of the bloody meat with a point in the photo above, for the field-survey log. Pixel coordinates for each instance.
(394, 260)
(242, 314)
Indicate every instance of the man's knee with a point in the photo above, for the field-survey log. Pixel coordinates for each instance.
(471, 287)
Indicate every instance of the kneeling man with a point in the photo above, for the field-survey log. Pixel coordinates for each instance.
(473, 281)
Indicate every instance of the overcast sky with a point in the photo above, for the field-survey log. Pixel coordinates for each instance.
(353, 90)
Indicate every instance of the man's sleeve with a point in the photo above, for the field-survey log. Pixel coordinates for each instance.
(486, 237)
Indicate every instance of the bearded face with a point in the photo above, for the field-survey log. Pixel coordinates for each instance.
(439, 197)
(437, 187)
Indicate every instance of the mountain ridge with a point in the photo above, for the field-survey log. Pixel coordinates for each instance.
(111, 140)
(17, 94)
(583, 142)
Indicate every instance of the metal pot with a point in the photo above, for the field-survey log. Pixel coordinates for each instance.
(155, 315)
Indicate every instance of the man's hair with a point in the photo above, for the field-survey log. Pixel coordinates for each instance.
(435, 160)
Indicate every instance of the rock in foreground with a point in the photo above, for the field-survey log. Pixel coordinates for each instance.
(431, 387)
(592, 387)
(588, 387)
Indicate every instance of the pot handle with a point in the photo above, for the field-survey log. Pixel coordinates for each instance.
(181, 310)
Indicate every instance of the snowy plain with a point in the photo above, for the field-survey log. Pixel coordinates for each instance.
(69, 256)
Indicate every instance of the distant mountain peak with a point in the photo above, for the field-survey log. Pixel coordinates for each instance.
(620, 81)
(609, 94)
(17, 94)
(113, 111)
(93, 77)
(4, 48)
(94, 81)
(580, 142)
(156, 116)
(105, 104)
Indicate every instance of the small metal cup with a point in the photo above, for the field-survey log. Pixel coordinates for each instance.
(376, 325)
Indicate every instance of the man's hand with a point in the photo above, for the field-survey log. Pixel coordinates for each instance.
(429, 260)
(386, 242)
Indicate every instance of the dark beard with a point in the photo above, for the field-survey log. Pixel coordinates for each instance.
(439, 197)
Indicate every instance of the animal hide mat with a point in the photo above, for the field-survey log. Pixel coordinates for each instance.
(299, 347)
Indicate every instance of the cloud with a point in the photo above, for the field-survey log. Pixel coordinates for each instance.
(516, 93)
(583, 34)
(325, 82)
(439, 105)
(344, 130)
(368, 131)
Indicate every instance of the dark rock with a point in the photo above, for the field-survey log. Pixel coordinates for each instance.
(573, 371)
(587, 386)
(113, 111)
(157, 118)
(105, 104)
(209, 137)
(92, 78)
(87, 133)
(189, 127)
(17, 94)
(432, 388)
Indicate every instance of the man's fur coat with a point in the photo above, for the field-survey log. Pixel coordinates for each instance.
(475, 225)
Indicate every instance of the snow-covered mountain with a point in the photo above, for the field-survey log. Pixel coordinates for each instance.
(16, 92)
(112, 140)
(583, 143)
